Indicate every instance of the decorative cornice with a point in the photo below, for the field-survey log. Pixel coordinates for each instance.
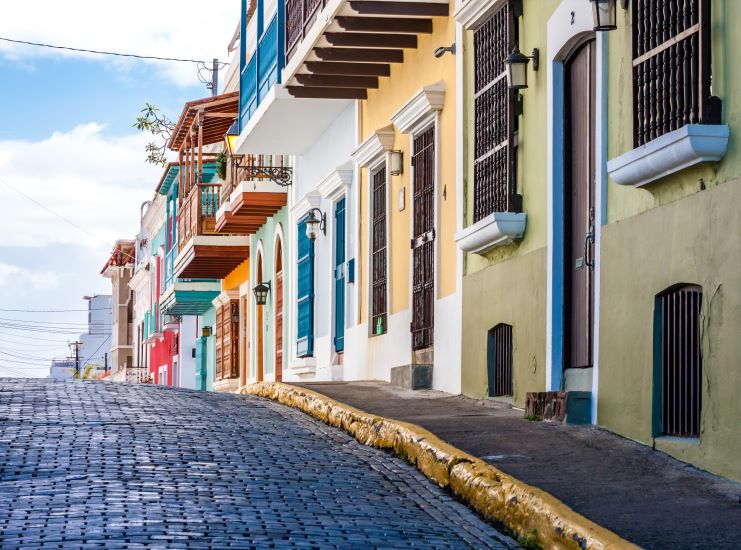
(310, 200)
(335, 184)
(374, 147)
(419, 108)
(474, 13)
(670, 153)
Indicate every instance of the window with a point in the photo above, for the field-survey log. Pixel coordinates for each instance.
(305, 292)
(379, 282)
(679, 361)
(499, 360)
(671, 67)
(495, 117)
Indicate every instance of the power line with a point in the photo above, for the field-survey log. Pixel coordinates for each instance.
(33, 321)
(101, 52)
(56, 310)
(73, 224)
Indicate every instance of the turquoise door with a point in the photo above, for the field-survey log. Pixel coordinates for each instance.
(339, 276)
(201, 363)
(305, 297)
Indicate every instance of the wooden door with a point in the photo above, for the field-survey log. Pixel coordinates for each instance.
(423, 240)
(279, 312)
(219, 334)
(579, 208)
(233, 371)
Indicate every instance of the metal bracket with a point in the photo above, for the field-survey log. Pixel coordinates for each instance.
(282, 175)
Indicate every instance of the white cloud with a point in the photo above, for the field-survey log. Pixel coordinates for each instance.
(39, 280)
(165, 28)
(96, 182)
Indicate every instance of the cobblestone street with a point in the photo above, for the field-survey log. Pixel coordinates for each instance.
(101, 465)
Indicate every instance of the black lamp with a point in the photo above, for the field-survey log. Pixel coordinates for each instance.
(261, 293)
(604, 14)
(314, 223)
(517, 67)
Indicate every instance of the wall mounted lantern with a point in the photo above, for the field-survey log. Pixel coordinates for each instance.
(439, 52)
(206, 331)
(315, 222)
(517, 63)
(230, 139)
(396, 163)
(603, 12)
(261, 293)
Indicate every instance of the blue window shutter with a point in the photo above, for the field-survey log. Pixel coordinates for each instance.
(305, 297)
(339, 277)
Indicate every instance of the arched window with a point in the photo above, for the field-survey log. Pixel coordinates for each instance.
(678, 361)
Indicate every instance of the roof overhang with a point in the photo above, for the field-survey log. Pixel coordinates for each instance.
(218, 114)
(211, 256)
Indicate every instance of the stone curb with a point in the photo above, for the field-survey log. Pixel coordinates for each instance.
(519, 507)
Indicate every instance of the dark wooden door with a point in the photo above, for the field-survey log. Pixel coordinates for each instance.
(579, 207)
(423, 242)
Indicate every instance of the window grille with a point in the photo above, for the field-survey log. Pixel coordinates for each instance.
(495, 126)
(680, 361)
(500, 360)
(379, 259)
(671, 67)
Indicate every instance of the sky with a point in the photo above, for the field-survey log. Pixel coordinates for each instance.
(67, 142)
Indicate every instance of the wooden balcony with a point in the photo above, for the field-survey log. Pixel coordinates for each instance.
(338, 49)
(251, 196)
(202, 253)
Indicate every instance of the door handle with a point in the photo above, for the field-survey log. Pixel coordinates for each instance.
(588, 260)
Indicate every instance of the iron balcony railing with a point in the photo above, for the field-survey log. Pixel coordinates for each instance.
(300, 14)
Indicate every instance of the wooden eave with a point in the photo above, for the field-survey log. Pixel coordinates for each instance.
(218, 115)
(357, 48)
(203, 261)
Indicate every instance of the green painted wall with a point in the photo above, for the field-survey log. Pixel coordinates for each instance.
(511, 292)
(266, 235)
(695, 240)
(508, 284)
(671, 231)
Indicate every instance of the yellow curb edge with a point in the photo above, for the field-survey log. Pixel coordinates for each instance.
(523, 509)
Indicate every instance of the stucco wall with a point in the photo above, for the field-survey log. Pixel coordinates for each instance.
(511, 292)
(693, 240)
(264, 240)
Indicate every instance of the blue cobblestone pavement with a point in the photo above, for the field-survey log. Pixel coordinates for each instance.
(103, 465)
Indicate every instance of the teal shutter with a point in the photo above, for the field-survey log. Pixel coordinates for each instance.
(339, 276)
(305, 297)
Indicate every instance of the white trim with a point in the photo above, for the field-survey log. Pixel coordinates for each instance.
(336, 183)
(310, 200)
(278, 237)
(418, 112)
(496, 229)
(672, 152)
(374, 147)
(474, 13)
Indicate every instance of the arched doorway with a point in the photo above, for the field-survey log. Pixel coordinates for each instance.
(278, 296)
(579, 205)
(259, 326)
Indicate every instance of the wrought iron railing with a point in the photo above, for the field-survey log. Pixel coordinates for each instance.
(300, 14)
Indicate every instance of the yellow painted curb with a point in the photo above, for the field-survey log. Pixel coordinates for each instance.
(521, 508)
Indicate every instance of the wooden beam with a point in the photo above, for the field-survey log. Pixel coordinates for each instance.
(362, 69)
(360, 54)
(418, 9)
(337, 81)
(371, 40)
(385, 24)
(327, 93)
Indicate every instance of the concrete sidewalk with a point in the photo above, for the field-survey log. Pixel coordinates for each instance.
(642, 495)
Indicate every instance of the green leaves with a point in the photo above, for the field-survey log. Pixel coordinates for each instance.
(151, 121)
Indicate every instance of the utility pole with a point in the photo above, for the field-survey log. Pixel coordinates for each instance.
(215, 78)
(77, 345)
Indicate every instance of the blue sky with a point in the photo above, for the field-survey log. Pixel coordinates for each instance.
(67, 141)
